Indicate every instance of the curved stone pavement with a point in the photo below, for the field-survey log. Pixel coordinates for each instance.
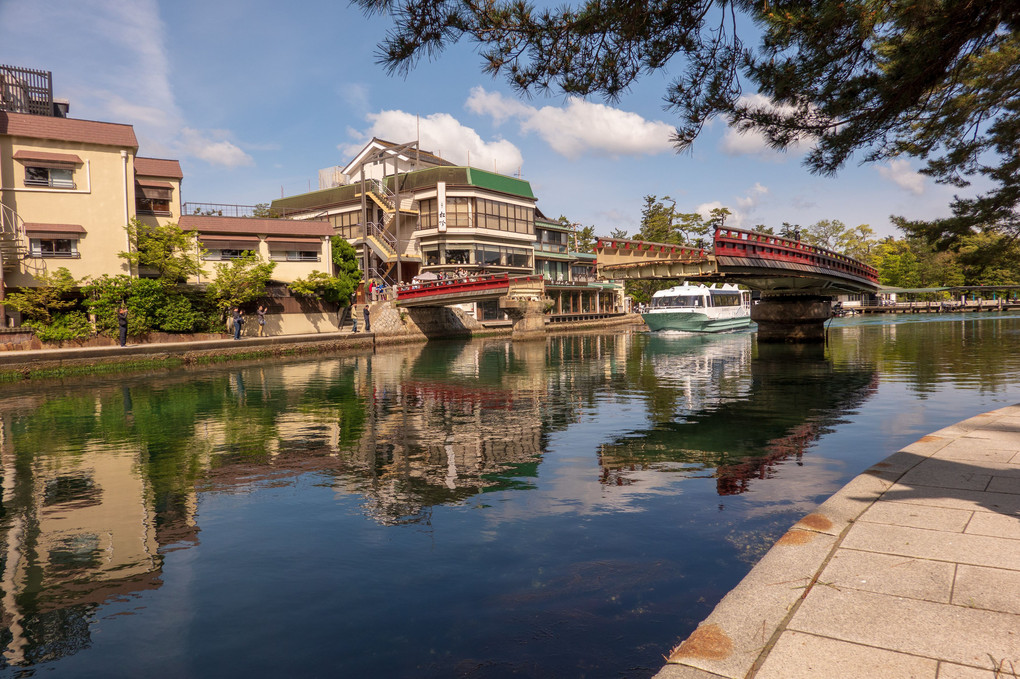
(910, 570)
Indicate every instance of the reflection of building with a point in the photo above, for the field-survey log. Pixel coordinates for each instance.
(79, 531)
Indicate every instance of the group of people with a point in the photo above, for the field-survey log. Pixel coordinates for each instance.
(354, 318)
(238, 317)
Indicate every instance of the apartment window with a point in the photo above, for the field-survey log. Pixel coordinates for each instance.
(54, 177)
(56, 248)
(152, 206)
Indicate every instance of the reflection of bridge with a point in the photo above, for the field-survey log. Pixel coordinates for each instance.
(797, 280)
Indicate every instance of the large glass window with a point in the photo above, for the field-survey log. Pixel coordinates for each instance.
(431, 256)
(457, 255)
(518, 257)
(488, 255)
(348, 224)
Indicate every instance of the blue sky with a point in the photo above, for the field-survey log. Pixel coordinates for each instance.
(255, 97)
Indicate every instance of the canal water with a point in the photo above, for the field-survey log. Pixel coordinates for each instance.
(568, 508)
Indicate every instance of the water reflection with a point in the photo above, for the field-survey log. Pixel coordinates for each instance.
(103, 480)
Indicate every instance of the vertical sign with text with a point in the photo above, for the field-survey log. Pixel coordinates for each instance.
(441, 204)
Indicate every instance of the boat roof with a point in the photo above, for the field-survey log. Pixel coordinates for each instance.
(699, 289)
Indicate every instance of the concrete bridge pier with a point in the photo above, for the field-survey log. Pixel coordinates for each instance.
(528, 316)
(792, 319)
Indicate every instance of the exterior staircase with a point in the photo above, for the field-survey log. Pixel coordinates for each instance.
(13, 244)
(380, 238)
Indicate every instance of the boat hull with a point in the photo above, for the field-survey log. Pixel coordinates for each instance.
(694, 322)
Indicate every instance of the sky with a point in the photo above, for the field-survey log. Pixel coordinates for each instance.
(255, 97)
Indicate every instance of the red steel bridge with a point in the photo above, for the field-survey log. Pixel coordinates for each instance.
(759, 261)
(797, 281)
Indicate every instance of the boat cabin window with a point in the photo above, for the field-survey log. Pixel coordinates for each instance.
(683, 301)
(728, 299)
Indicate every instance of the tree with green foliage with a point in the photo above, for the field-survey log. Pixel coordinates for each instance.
(345, 261)
(584, 239)
(240, 281)
(936, 81)
(833, 234)
(151, 304)
(173, 253)
(335, 289)
(51, 308)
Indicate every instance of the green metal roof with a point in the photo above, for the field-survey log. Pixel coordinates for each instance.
(320, 198)
(469, 176)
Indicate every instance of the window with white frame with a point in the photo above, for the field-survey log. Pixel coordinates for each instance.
(56, 248)
(53, 177)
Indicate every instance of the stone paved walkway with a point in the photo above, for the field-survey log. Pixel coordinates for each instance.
(911, 570)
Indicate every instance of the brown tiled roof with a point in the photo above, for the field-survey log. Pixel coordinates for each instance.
(158, 167)
(67, 129)
(255, 226)
(48, 157)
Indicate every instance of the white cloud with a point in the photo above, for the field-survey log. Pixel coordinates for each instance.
(580, 127)
(113, 64)
(213, 151)
(748, 202)
(737, 143)
(740, 210)
(899, 172)
(441, 134)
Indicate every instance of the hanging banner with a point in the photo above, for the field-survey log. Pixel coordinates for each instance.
(441, 204)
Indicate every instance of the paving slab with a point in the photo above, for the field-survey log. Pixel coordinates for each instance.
(993, 589)
(888, 574)
(807, 656)
(913, 570)
(957, 634)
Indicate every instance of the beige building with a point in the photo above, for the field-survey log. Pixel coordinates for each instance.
(69, 187)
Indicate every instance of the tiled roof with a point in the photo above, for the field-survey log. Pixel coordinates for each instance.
(67, 129)
(254, 225)
(158, 167)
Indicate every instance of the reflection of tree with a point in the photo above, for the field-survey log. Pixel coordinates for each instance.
(793, 396)
(964, 350)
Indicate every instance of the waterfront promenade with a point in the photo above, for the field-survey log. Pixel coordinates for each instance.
(911, 570)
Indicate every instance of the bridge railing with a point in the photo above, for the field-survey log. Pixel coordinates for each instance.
(740, 243)
(447, 286)
(667, 250)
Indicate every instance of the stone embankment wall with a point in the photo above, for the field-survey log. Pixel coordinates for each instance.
(392, 325)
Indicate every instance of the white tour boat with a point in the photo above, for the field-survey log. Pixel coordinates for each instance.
(699, 308)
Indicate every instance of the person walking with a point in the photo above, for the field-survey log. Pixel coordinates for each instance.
(122, 324)
(368, 320)
(354, 318)
(262, 320)
(238, 322)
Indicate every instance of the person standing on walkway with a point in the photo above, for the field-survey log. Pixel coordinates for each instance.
(122, 324)
(262, 320)
(368, 320)
(354, 318)
(238, 322)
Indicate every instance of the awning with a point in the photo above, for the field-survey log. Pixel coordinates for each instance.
(59, 231)
(161, 190)
(46, 159)
(280, 243)
(229, 242)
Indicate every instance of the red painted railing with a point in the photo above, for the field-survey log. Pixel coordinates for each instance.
(639, 246)
(750, 244)
(450, 286)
